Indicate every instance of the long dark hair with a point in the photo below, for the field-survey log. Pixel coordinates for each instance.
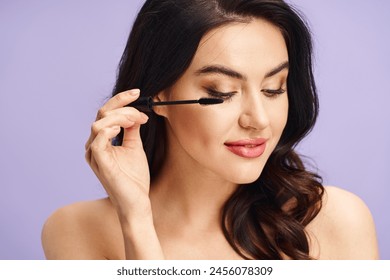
(267, 218)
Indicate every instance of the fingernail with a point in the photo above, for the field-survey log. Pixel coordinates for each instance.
(134, 91)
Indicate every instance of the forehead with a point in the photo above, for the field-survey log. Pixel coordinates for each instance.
(256, 46)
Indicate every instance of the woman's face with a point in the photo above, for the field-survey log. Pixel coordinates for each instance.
(246, 64)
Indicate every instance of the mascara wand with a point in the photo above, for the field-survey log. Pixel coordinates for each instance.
(147, 103)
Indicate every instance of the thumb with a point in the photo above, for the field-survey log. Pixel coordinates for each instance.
(131, 136)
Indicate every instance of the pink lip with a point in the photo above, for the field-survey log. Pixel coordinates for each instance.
(248, 148)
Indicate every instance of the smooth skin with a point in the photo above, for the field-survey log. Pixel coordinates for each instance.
(176, 216)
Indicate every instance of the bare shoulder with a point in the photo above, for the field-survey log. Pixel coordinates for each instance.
(344, 228)
(83, 230)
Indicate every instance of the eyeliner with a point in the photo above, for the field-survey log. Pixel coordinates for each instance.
(147, 103)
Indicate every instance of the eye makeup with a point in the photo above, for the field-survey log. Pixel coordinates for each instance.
(273, 92)
(275, 85)
(281, 86)
(219, 94)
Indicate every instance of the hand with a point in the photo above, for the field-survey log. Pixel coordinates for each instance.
(122, 170)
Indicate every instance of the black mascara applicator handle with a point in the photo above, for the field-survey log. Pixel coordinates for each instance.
(147, 103)
(143, 103)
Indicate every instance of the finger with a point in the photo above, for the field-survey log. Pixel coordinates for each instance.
(97, 127)
(132, 136)
(122, 110)
(102, 143)
(91, 161)
(88, 155)
(119, 100)
(123, 120)
(130, 111)
(94, 166)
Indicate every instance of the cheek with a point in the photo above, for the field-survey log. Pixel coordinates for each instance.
(278, 116)
(202, 126)
(281, 116)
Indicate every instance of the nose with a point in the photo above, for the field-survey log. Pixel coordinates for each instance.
(254, 113)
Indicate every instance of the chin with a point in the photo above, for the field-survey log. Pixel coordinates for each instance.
(245, 178)
(246, 181)
(243, 172)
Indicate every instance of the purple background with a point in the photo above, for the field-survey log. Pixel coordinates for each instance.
(58, 63)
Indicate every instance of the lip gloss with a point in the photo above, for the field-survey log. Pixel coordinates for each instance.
(251, 148)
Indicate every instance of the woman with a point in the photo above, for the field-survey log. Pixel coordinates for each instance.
(219, 181)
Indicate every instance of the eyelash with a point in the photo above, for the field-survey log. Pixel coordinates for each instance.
(272, 93)
(218, 94)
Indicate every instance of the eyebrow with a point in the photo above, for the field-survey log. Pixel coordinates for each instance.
(219, 69)
(277, 69)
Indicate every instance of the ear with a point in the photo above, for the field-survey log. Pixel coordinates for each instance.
(160, 110)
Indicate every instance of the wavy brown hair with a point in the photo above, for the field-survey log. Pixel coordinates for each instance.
(267, 218)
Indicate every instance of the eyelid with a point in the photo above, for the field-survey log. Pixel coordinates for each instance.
(274, 91)
(215, 93)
